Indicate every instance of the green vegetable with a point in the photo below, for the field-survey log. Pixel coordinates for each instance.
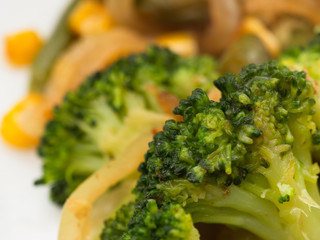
(304, 58)
(307, 59)
(114, 227)
(170, 221)
(107, 112)
(292, 31)
(244, 162)
(59, 40)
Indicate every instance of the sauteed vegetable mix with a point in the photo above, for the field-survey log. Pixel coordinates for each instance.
(136, 141)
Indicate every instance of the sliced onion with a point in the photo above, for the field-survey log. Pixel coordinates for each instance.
(88, 55)
(124, 12)
(83, 58)
(225, 18)
(75, 221)
(308, 9)
(82, 214)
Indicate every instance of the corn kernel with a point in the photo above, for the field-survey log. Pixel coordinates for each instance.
(90, 17)
(21, 48)
(21, 126)
(180, 43)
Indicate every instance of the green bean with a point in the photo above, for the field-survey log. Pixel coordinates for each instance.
(59, 40)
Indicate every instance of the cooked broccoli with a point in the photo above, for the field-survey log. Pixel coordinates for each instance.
(115, 227)
(304, 58)
(152, 223)
(97, 121)
(244, 162)
(307, 59)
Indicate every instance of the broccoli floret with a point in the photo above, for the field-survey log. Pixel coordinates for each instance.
(304, 58)
(307, 59)
(170, 222)
(96, 122)
(244, 162)
(115, 227)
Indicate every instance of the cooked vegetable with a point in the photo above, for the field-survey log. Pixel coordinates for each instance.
(307, 59)
(247, 49)
(19, 133)
(293, 31)
(88, 55)
(304, 59)
(90, 17)
(21, 48)
(270, 10)
(244, 162)
(174, 13)
(83, 58)
(181, 43)
(252, 25)
(58, 41)
(154, 16)
(169, 222)
(224, 23)
(99, 120)
(77, 221)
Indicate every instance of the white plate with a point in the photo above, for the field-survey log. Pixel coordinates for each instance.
(25, 210)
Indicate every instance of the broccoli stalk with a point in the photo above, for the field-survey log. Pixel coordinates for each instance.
(244, 162)
(99, 120)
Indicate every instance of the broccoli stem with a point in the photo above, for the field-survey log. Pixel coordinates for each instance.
(301, 149)
(299, 211)
(316, 116)
(238, 207)
(238, 219)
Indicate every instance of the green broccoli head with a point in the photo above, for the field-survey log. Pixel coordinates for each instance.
(245, 161)
(307, 59)
(169, 222)
(101, 118)
(115, 227)
(304, 58)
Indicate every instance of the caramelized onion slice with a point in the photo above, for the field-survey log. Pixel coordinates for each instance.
(307, 9)
(88, 55)
(76, 211)
(224, 22)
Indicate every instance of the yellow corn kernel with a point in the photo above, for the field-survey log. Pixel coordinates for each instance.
(255, 26)
(21, 48)
(181, 43)
(20, 127)
(90, 17)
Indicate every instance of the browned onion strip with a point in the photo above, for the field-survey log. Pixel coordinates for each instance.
(308, 9)
(88, 55)
(75, 217)
(124, 13)
(224, 22)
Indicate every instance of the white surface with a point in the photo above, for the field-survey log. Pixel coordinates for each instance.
(25, 210)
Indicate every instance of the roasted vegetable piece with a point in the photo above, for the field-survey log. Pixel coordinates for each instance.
(101, 118)
(244, 162)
